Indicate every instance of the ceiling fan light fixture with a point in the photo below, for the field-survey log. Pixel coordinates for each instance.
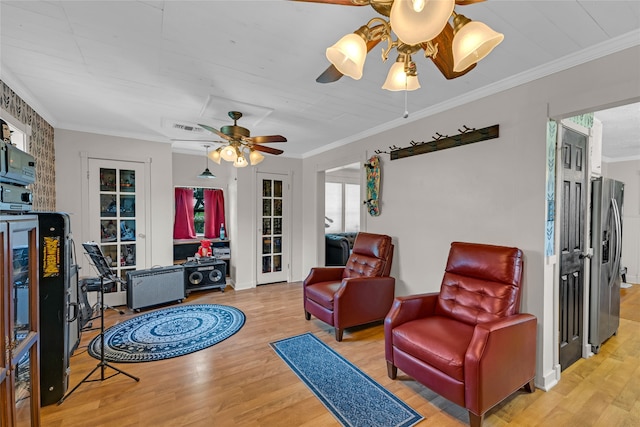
(399, 78)
(240, 161)
(215, 155)
(349, 53)
(228, 153)
(255, 157)
(472, 41)
(418, 21)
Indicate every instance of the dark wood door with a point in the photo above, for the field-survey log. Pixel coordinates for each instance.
(572, 244)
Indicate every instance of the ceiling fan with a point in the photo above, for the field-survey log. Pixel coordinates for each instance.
(418, 25)
(238, 141)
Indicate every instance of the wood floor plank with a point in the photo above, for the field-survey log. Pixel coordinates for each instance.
(242, 381)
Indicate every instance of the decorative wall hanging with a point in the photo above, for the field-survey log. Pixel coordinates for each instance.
(373, 185)
(441, 142)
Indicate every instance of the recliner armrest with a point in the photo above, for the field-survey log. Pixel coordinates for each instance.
(363, 298)
(487, 354)
(403, 310)
(323, 274)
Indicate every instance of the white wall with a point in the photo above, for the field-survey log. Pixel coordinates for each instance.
(629, 173)
(490, 192)
(69, 146)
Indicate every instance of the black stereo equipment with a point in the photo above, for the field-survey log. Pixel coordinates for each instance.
(205, 273)
(155, 286)
(14, 198)
(58, 290)
(16, 166)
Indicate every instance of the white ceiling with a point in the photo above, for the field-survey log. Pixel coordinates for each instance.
(138, 68)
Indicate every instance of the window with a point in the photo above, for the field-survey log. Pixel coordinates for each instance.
(18, 138)
(342, 207)
(199, 212)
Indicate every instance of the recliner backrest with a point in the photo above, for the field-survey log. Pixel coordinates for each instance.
(481, 283)
(371, 256)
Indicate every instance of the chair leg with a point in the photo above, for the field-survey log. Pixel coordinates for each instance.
(339, 334)
(392, 370)
(307, 315)
(475, 420)
(530, 386)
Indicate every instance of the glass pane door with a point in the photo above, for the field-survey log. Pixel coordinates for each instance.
(117, 212)
(273, 263)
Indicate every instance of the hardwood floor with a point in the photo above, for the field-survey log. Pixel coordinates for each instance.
(242, 382)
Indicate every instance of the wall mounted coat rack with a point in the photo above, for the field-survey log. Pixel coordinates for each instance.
(441, 142)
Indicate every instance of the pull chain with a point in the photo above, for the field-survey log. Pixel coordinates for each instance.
(406, 110)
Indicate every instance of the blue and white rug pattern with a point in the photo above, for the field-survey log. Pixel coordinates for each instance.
(169, 332)
(353, 397)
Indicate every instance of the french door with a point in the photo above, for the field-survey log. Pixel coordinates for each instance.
(117, 218)
(273, 228)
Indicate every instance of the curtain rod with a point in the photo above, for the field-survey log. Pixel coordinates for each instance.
(192, 187)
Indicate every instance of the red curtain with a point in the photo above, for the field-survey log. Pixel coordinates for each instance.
(183, 227)
(214, 213)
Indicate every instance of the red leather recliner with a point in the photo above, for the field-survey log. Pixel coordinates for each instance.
(468, 343)
(358, 293)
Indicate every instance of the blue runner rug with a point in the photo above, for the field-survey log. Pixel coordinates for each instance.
(352, 396)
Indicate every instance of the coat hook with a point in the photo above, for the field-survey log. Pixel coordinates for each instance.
(466, 129)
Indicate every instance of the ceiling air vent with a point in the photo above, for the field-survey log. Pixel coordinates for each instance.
(188, 128)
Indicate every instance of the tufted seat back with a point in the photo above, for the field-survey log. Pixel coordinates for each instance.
(481, 283)
(371, 256)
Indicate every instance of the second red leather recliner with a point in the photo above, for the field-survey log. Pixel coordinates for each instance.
(359, 293)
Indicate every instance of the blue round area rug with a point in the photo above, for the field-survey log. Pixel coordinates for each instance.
(167, 333)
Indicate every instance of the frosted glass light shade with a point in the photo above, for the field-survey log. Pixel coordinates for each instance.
(413, 27)
(240, 162)
(255, 157)
(229, 153)
(473, 42)
(348, 55)
(215, 155)
(397, 79)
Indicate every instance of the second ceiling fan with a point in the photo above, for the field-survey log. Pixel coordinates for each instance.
(240, 141)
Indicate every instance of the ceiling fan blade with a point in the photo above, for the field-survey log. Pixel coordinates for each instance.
(264, 149)
(267, 138)
(216, 131)
(332, 74)
(444, 58)
(466, 2)
(339, 2)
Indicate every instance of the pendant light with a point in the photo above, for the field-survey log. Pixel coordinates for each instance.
(206, 173)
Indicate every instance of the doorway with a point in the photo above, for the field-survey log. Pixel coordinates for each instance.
(574, 175)
(342, 199)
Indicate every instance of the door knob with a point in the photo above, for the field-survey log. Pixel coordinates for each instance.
(586, 255)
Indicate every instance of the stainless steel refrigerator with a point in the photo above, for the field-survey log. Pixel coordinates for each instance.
(606, 240)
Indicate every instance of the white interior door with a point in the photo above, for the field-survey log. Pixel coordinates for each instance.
(273, 228)
(117, 220)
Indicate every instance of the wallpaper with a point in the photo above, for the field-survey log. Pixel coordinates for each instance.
(41, 147)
